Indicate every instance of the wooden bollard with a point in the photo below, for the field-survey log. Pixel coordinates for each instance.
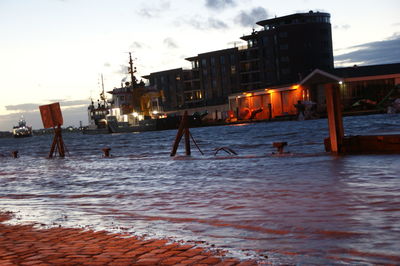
(106, 152)
(279, 146)
(14, 154)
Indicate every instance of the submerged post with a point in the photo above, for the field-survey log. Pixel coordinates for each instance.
(57, 144)
(187, 137)
(106, 152)
(14, 154)
(183, 128)
(335, 121)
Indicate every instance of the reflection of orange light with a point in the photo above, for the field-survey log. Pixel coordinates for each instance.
(295, 87)
(249, 94)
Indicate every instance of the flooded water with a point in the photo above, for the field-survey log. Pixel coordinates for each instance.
(306, 207)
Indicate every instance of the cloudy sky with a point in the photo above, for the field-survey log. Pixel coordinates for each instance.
(55, 50)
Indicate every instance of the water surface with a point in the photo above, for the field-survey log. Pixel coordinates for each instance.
(306, 207)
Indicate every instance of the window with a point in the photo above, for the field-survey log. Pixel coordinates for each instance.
(285, 59)
(284, 46)
(214, 83)
(265, 40)
(203, 62)
(283, 34)
(252, 43)
(222, 59)
(233, 69)
(195, 64)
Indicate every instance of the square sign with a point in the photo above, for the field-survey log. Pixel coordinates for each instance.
(51, 115)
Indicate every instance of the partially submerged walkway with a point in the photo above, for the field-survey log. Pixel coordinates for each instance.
(26, 245)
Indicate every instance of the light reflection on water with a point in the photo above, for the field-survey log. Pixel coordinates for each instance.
(305, 207)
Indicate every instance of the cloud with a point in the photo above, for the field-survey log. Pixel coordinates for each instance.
(25, 107)
(216, 23)
(136, 45)
(203, 24)
(380, 52)
(220, 4)
(107, 64)
(71, 116)
(73, 112)
(170, 43)
(29, 107)
(123, 69)
(249, 18)
(342, 27)
(154, 12)
(74, 103)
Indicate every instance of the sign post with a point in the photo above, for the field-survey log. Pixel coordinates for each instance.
(52, 118)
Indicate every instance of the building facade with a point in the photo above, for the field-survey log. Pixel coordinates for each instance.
(366, 88)
(170, 83)
(263, 79)
(287, 49)
(284, 51)
(217, 75)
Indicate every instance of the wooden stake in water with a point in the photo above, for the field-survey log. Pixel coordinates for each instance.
(335, 121)
(184, 129)
(52, 118)
(58, 143)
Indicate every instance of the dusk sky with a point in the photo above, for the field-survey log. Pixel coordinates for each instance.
(56, 50)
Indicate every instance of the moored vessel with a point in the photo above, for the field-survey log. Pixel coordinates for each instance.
(22, 130)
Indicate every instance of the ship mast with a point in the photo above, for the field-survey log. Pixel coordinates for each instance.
(102, 94)
(132, 70)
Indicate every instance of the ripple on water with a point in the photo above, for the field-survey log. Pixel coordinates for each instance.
(304, 207)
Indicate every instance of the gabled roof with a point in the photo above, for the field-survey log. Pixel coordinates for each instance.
(319, 76)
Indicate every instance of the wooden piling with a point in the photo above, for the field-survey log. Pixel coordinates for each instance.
(57, 143)
(183, 128)
(335, 121)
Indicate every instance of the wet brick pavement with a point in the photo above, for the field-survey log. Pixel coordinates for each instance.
(26, 245)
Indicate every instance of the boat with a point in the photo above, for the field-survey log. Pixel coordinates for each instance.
(97, 119)
(134, 107)
(22, 130)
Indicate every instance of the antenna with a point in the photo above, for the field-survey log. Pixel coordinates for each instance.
(132, 70)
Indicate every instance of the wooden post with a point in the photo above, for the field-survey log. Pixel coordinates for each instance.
(335, 121)
(58, 143)
(183, 127)
(187, 139)
(52, 118)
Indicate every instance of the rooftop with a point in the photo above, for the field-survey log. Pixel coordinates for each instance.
(297, 19)
(373, 70)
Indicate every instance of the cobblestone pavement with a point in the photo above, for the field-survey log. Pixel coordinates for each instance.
(26, 245)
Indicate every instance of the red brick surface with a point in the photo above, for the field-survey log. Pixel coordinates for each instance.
(25, 245)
